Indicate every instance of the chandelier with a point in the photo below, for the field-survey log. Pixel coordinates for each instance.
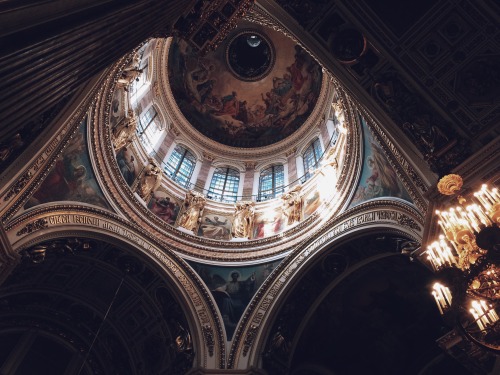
(466, 259)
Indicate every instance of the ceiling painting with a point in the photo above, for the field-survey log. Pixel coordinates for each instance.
(245, 99)
(233, 288)
(71, 178)
(378, 178)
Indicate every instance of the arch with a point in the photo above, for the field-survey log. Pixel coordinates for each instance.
(307, 141)
(148, 130)
(99, 225)
(396, 217)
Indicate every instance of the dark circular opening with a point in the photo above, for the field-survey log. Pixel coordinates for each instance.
(348, 45)
(250, 56)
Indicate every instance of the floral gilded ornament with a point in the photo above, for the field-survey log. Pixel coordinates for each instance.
(450, 184)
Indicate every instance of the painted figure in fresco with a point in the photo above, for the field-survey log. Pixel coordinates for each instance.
(71, 178)
(295, 71)
(9, 147)
(291, 205)
(233, 297)
(194, 204)
(243, 219)
(230, 105)
(150, 180)
(126, 165)
(268, 226)
(383, 175)
(164, 209)
(123, 133)
(215, 228)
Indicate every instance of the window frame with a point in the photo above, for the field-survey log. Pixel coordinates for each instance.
(277, 181)
(185, 156)
(146, 133)
(315, 149)
(224, 194)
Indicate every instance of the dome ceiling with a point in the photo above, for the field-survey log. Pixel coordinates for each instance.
(255, 89)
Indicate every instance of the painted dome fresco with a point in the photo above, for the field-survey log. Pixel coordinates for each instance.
(248, 92)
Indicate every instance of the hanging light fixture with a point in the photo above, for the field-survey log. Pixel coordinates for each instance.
(466, 257)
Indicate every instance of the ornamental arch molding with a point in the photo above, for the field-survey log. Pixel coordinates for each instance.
(91, 223)
(391, 216)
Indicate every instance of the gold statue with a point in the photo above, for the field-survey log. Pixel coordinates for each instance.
(194, 204)
(150, 180)
(123, 132)
(243, 219)
(292, 203)
(339, 111)
(130, 73)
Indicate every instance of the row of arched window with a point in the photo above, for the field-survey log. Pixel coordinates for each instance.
(225, 181)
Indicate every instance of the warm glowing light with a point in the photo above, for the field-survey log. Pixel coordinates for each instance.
(484, 315)
(442, 296)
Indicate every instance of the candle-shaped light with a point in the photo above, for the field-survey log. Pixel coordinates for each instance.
(476, 319)
(481, 313)
(436, 297)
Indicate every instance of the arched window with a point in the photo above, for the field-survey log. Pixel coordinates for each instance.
(180, 165)
(224, 185)
(311, 157)
(149, 129)
(271, 182)
(137, 87)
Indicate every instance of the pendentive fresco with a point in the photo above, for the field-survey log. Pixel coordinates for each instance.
(378, 178)
(71, 178)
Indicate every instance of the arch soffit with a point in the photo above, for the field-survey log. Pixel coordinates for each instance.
(42, 224)
(301, 148)
(181, 141)
(394, 216)
(280, 160)
(224, 163)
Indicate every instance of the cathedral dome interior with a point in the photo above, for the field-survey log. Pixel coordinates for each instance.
(249, 187)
